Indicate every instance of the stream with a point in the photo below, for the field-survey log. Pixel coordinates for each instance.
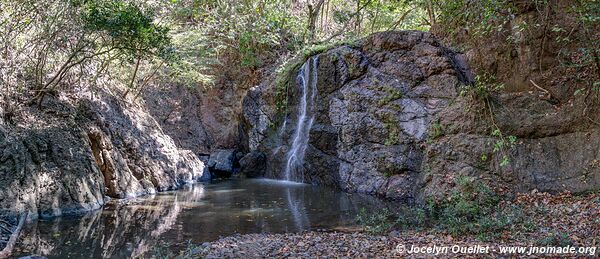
(197, 213)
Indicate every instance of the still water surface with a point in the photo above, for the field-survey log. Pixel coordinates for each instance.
(201, 212)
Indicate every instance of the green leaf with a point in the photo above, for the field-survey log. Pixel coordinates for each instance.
(505, 161)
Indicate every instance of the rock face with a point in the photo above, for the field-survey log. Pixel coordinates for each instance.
(179, 111)
(68, 159)
(202, 119)
(375, 103)
(557, 149)
(389, 120)
(253, 164)
(48, 171)
(221, 163)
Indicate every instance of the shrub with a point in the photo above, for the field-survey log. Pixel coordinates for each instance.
(466, 209)
(376, 223)
(555, 239)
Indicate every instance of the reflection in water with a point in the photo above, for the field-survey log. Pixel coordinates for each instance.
(298, 211)
(200, 213)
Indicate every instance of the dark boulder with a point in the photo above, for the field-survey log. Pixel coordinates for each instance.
(221, 163)
(253, 164)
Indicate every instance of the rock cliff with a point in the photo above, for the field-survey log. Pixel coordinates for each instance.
(72, 156)
(390, 120)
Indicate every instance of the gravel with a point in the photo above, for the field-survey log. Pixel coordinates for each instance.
(301, 245)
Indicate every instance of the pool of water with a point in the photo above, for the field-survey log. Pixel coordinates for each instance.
(198, 213)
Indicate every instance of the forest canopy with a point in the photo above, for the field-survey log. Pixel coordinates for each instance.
(60, 44)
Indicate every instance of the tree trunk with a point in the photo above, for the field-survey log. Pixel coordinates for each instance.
(358, 20)
(313, 14)
(135, 70)
(431, 13)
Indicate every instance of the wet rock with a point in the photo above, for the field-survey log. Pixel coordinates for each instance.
(253, 164)
(206, 175)
(221, 163)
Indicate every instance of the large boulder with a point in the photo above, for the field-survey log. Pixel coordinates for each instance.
(221, 163)
(48, 171)
(134, 154)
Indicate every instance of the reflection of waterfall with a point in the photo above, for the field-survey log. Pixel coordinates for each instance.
(307, 78)
(298, 211)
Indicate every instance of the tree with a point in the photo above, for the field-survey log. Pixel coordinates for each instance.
(98, 28)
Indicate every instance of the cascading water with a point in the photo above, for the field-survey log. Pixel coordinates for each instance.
(307, 78)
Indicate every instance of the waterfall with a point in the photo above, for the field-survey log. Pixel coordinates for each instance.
(307, 78)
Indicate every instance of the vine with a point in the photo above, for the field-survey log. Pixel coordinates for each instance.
(481, 91)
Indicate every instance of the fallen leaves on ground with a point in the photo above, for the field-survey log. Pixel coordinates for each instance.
(556, 220)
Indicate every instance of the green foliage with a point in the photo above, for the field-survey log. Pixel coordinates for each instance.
(501, 145)
(484, 85)
(481, 18)
(492, 225)
(192, 63)
(392, 95)
(472, 208)
(412, 218)
(376, 223)
(556, 238)
(286, 73)
(78, 42)
(285, 76)
(588, 12)
(194, 43)
(247, 35)
(481, 91)
(126, 26)
(390, 123)
(436, 131)
(587, 52)
(565, 30)
(323, 47)
(393, 137)
(467, 207)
